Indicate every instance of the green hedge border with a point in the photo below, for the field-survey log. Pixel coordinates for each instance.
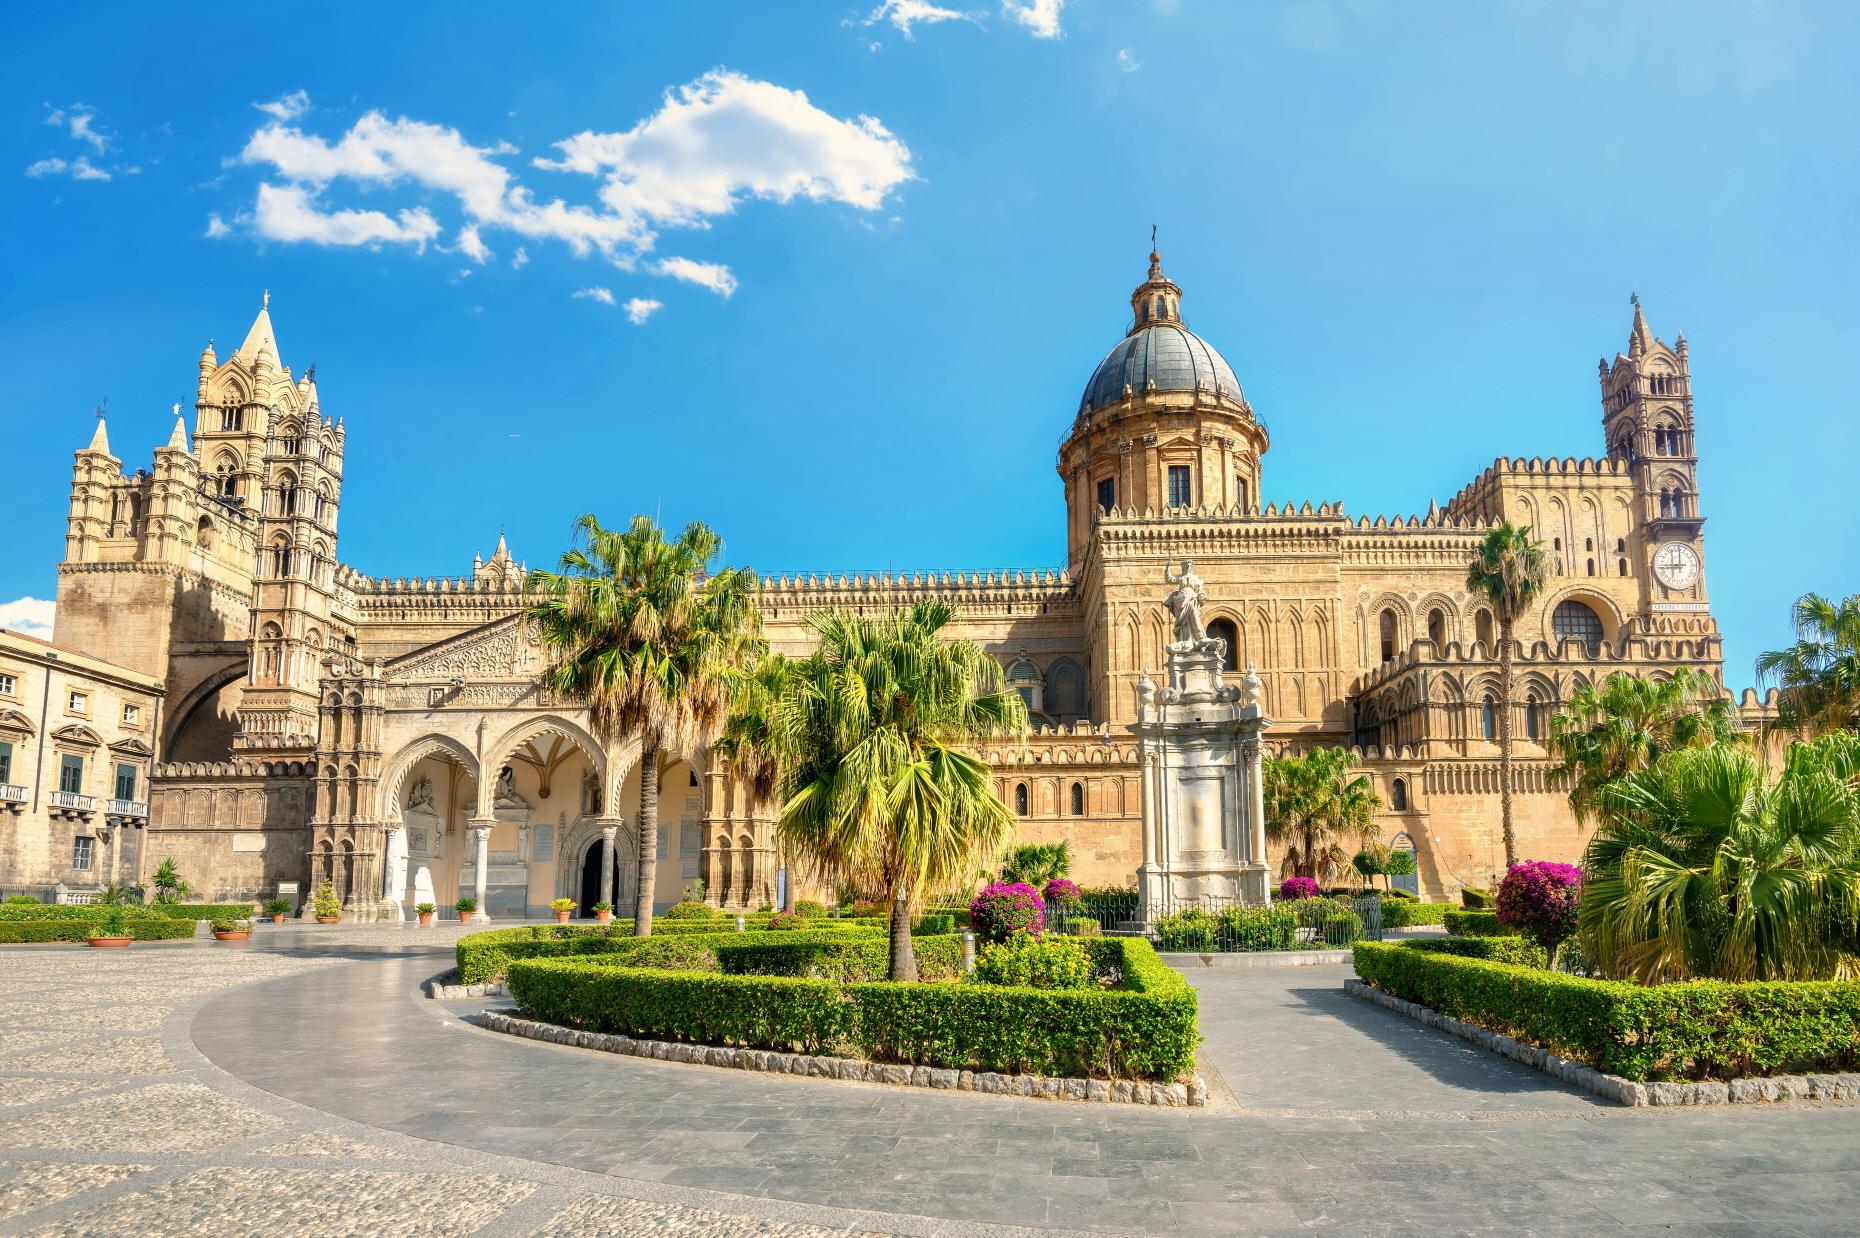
(1476, 924)
(831, 956)
(1145, 1029)
(142, 928)
(205, 911)
(1408, 913)
(1697, 1030)
(484, 958)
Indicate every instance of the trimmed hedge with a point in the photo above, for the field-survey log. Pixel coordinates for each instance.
(203, 911)
(1698, 1030)
(142, 928)
(826, 957)
(484, 958)
(1519, 950)
(1476, 924)
(1407, 913)
(1145, 1029)
(82, 912)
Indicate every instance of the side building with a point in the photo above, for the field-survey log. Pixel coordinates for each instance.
(391, 736)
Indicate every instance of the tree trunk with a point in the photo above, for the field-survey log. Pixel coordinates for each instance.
(903, 957)
(1504, 741)
(648, 836)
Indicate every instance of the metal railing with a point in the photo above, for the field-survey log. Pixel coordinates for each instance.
(71, 799)
(1208, 924)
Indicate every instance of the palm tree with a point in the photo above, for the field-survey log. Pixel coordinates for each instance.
(879, 793)
(1703, 869)
(1627, 723)
(1819, 675)
(749, 747)
(1509, 572)
(1316, 802)
(641, 630)
(1038, 863)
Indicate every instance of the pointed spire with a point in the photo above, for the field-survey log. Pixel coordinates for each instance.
(503, 550)
(179, 438)
(100, 441)
(261, 339)
(1639, 339)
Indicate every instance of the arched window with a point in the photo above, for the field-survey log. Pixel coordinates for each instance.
(203, 534)
(1224, 629)
(1572, 620)
(1021, 804)
(1241, 496)
(1158, 308)
(1621, 545)
(1531, 708)
(1387, 626)
(232, 419)
(1078, 799)
(1623, 567)
(1107, 494)
(1437, 627)
(280, 558)
(1398, 795)
(1591, 567)
(1482, 628)
(1488, 718)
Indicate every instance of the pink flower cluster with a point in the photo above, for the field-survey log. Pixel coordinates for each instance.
(1539, 897)
(1002, 910)
(1293, 888)
(1059, 890)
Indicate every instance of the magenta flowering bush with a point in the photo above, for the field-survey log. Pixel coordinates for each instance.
(1002, 910)
(1538, 898)
(1298, 887)
(1060, 891)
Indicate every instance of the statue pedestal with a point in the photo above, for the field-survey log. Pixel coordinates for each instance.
(1198, 744)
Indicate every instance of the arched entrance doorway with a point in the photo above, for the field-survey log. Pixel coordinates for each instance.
(597, 856)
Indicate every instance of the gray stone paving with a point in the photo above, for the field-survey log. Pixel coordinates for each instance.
(294, 1075)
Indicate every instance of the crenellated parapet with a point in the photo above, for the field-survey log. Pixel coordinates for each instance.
(1479, 501)
(977, 593)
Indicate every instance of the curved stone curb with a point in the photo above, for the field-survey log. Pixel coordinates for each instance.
(440, 991)
(1614, 1087)
(1115, 1091)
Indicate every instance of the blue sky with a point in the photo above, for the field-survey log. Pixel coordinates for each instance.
(1412, 230)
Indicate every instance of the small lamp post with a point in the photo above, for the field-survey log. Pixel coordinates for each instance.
(968, 951)
(739, 924)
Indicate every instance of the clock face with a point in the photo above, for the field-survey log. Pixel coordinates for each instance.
(1676, 565)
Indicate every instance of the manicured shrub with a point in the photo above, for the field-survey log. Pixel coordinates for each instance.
(1698, 1030)
(1473, 898)
(842, 957)
(933, 925)
(204, 911)
(1002, 910)
(866, 907)
(1538, 899)
(1371, 864)
(1407, 913)
(1519, 950)
(1396, 896)
(688, 909)
(1293, 888)
(1192, 930)
(73, 928)
(1035, 963)
(1145, 1029)
(1476, 924)
(484, 958)
(809, 908)
(1399, 863)
(781, 921)
(22, 900)
(1340, 926)
(75, 911)
(1260, 928)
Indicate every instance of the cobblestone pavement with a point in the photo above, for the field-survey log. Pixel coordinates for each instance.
(316, 1092)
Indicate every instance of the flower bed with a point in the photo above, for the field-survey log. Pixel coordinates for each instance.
(1144, 1029)
(1701, 1030)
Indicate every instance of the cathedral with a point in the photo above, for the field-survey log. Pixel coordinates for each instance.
(390, 736)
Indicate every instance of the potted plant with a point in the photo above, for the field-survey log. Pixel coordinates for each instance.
(109, 931)
(232, 930)
(277, 909)
(467, 908)
(328, 906)
(426, 911)
(604, 912)
(562, 907)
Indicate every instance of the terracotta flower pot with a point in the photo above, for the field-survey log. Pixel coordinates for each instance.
(277, 919)
(232, 936)
(327, 919)
(108, 943)
(561, 917)
(426, 919)
(604, 917)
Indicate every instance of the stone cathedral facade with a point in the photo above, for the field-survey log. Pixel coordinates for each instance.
(390, 735)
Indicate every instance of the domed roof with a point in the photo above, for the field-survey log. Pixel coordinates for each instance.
(1166, 354)
(1158, 353)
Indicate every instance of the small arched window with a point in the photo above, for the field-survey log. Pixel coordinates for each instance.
(1158, 309)
(1398, 795)
(1387, 625)
(1437, 627)
(1242, 494)
(1078, 799)
(1488, 718)
(1591, 567)
(1530, 717)
(1623, 567)
(1482, 628)
(1224, 630)
(1021, 799)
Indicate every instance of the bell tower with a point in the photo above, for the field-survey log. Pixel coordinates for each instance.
(1648, 426)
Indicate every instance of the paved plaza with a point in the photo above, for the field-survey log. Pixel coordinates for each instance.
(301, 1084)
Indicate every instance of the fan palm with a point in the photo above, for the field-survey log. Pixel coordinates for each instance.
(1509, 571)
(748, 747)
(1702, 868)
(879, 792)
(1316, 803)
(648, 637)
(1819, 675)
(1038, 863)
(1626, 723)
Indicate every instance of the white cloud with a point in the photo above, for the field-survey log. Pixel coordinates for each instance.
(286, 107)
(604, 296)
(904, 14)
(712, 275)
(216, 227)
(1127, 60)
(30, 615)
(80, 122)
(520, 259)
(1041, 17)
(79, 169)
(639, 309)
(715, 142)
(46, 167)
(290, 213)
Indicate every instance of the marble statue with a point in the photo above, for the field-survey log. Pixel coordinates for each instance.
(506, 789)
(422, 794)
(1186, 601)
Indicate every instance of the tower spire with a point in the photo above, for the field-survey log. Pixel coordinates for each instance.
(1157, 299)
(1639, 338)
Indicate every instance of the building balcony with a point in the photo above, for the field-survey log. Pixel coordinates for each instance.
(71, 804)
(130, 810)
(13, 797)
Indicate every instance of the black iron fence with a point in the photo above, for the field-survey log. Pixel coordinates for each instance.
(1207, 924)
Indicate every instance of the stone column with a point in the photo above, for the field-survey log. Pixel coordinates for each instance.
(394, 871)
(1255, 799)
(608, 834)
(481, 864)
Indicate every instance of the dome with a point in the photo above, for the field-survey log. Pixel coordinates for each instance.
(1166, 354)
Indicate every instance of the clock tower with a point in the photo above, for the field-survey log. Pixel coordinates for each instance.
(1647, 422)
